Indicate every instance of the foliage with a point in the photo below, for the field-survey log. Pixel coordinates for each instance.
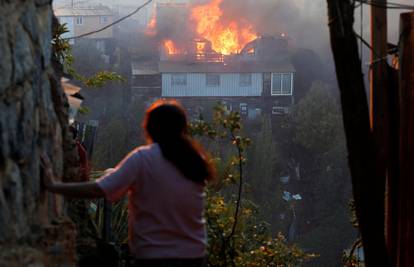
(263, 169)
(351, 257)
(317, 119)
(318, 144)
(236, 238)
(62, 53)
(60, 46)
(119, 130)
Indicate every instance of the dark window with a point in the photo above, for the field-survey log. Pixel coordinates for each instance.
(79, 20)
(213, 80)
(245, 79)
(179, 79)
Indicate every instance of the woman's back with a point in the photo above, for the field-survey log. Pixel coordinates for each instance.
(166, 208)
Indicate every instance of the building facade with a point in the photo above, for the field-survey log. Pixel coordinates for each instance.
(259, 79)
(84, 19)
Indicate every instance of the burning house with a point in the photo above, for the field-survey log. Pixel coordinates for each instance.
(219, 62)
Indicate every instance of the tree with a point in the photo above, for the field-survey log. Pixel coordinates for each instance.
(317, 120)
(317, 132)
(263, 172)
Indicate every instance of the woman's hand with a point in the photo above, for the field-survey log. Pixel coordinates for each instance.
(76, 190)
(48, 177)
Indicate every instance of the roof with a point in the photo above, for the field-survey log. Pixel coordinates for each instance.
(69, 88)
(231, 67)
(99, 10)
(144, 68)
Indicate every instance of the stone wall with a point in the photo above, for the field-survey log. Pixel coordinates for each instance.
(33, 118)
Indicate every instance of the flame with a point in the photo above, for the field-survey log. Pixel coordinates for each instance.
(225, 38)
(200, 47)
(170, 47)
(151, 29)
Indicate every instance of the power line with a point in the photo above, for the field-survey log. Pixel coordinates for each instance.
(387, 5)
(112, 24)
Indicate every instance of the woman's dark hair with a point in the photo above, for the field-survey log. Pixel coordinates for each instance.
(165, 123)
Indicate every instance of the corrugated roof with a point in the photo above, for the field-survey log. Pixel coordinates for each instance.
(83, 11)
(231, 67)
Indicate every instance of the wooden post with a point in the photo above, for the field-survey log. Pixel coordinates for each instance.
(405, 239)
(368, 190)
(380, 108)
(378, 74)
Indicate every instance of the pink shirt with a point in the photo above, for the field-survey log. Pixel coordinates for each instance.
(165, 208)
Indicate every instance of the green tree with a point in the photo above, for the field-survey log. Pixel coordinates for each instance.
(263, 170)
(317, 120)
(317, 131)
(240, 238)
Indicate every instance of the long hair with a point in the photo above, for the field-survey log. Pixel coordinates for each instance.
(165, 123)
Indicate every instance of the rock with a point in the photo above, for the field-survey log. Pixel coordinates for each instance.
(22, 56)
(5, 59)
(33, 120)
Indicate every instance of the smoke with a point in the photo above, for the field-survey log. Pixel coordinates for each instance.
(303, 21)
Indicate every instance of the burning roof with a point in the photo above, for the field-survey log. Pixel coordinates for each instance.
(210, 33)
(207, 22)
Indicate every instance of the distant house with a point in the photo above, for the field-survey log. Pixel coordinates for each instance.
(259, 79)
(83, 19)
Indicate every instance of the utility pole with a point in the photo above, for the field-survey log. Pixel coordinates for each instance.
(368, 190)
(405, 236)
(380, 105)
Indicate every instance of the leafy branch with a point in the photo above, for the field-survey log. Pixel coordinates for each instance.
(62, 53)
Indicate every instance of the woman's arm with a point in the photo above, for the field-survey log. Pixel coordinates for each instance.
(75, 190)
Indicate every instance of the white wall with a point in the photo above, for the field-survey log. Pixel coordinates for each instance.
(196, 86)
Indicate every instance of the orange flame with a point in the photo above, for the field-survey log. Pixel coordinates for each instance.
(151, 29)
(225, 38)
(201, 47)
(170, 47)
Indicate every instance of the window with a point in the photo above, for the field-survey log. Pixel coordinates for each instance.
(282, 83)
(245, 79)
(213, 80)
(277, 110)
(103, 19)
(243, 108)
(179, 79)
(286, 84)
(79, 20)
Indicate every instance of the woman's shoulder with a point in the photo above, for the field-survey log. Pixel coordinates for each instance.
(146, 149)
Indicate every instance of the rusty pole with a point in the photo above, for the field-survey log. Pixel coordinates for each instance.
(405, 232)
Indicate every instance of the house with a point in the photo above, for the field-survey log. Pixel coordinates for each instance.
(258, 79)
(84, 19)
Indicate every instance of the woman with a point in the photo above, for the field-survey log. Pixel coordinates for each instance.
(164, 181)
